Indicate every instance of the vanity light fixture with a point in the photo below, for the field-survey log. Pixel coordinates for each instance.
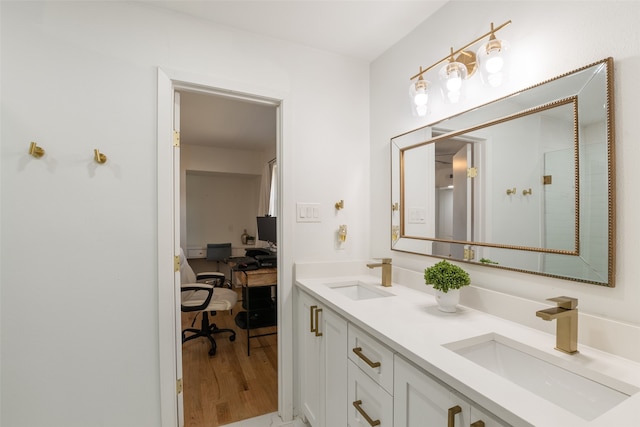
(451, 75)
(492, 57)
(462, 64)
(419, 95)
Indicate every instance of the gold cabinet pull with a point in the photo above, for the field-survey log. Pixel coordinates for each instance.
(317, 331)
(311, 309)
(478, 423)
(366, 416)
(451, 418)
(358, 351)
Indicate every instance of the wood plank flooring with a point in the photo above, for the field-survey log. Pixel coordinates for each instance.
(229, 386)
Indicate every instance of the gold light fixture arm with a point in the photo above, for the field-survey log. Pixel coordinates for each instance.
(453, 53)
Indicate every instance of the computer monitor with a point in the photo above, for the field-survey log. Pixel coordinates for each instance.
(267, 229)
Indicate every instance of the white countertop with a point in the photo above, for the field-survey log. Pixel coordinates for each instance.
(410, 323)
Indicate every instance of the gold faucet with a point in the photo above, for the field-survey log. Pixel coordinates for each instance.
(386, 270)
(566, 313)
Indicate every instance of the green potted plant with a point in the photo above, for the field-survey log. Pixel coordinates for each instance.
(446, 279)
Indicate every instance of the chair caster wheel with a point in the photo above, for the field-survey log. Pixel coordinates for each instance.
(212, 352)
(232, 338)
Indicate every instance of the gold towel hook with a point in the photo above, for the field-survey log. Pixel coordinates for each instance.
(36, 151)
(526, 192)
(511, 191)
(99, 157)
(340, 205)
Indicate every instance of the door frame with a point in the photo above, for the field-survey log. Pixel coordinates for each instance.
(168, 196)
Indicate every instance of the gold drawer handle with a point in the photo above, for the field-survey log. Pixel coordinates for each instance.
(452, 415)
(358, 351)
(311, 309)
(478, 423)
(366, 416)
(317, 331)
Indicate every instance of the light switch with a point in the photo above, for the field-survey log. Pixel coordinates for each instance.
(417, 216)
(307, 212)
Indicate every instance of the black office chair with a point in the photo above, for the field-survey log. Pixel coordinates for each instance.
(219, 252)
(199, 293)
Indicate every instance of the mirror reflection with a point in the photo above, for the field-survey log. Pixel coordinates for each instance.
(523, 183)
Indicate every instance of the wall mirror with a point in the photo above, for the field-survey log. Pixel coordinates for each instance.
(525, 183)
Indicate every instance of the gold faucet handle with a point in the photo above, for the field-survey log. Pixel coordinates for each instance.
(384, 260)
(568, 303)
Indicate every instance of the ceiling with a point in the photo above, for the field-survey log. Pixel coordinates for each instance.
(359, 29)
(210, 120)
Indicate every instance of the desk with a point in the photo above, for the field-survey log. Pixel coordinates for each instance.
(260, 278)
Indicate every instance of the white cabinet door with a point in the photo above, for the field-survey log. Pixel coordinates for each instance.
(421, 401)
(310, 351)
(334, 332)
(369, 403)
(322, 364)
(477, 414)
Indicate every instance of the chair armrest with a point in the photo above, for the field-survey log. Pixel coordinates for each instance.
(193, 288)
(211, 278)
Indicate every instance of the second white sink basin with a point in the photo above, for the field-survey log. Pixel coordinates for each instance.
(357, 290)
(587, 394)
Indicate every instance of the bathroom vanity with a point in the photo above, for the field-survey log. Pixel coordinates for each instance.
(385, 356)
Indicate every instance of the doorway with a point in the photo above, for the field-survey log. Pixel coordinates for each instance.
(227, 150)
(169, 242)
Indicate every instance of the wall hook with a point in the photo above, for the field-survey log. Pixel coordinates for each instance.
(511, 191)
(526, 192)
(36, 151)
(99, 157)
(395, 206)
(340, 205)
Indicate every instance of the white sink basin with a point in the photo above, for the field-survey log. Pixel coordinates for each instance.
(586, 393)
(357, 290)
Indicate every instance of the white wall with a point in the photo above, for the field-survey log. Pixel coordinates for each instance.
(220, 207)
(546, 41)
(79, 309)
(239, 166)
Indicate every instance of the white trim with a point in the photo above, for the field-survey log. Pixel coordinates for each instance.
(166, 302)
(169, 80)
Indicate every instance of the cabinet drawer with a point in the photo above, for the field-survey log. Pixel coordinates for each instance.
(368, 401)
(196, 253)
(373, 357)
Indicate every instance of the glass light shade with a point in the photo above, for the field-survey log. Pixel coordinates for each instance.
(419, 96)
(452, 75)
(493, 61)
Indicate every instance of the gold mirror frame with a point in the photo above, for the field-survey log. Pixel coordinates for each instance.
(573, 264)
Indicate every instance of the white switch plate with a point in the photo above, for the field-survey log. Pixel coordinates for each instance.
(307, 212)
(417, 216)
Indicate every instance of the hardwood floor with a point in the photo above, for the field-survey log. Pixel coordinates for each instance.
(229, 386)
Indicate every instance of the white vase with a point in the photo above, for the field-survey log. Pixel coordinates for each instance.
(447, 301)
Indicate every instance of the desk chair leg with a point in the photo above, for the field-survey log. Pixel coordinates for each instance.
(207, 330)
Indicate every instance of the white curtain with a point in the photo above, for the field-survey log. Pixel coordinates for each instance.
(273, 196)
(265, 191)
(268, 197)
